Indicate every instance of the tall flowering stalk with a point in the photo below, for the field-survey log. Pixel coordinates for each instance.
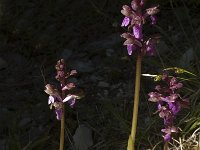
(169, 103)
(137, 42)
(57, 97)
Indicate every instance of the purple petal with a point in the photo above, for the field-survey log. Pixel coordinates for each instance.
(159, 106)
(72, 102)
(130, 48)
(137, 31)
(153, 19)
(168, 121)
(125, 21)
(58, 113)
(51, 100)
(150, 49)
(175, 107)
(167, 137)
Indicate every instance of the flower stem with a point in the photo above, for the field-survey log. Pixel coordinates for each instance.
(62, 123)
(62, 129)
(136, 99)
(166, 146)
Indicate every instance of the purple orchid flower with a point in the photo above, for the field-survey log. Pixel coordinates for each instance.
(57, 97)
(168, 131)
(169, 103)
(135, 18)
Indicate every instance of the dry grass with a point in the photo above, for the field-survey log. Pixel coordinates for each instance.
(190, 143)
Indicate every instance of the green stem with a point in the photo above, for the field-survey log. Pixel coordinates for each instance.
(62, 129)
(136, 99)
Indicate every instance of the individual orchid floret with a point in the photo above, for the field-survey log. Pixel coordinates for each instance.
(71, 99)
(168, 131)
(54, 100)
(130, 39)
(152, 11)
(69, 86)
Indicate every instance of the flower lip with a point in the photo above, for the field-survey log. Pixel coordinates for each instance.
(137, 31)
(58, 114)
(130, 48)
(125, 21)
(51, 100)
(153, 19)
(167, 137)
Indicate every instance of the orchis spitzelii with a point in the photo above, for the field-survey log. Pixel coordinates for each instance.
(169, 103)
(136, 41)
(56, 97)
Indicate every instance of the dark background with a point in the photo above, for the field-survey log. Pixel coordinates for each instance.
(86, 33)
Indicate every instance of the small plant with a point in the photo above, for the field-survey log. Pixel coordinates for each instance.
(57, 97)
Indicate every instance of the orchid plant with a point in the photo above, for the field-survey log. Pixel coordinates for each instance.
(137, 42)
(169, 103)
(65, 93)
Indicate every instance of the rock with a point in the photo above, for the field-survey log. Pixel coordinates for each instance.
(66, 54)
(83, 138)
(106, 43)
(82, 66)
(103, 84)
(3, 63)
(162, 47)
(24, 122)
(95, 78)
(2, 144)
(109, 52)
(186, 58)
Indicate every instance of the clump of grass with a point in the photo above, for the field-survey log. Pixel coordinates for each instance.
(191, 142)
